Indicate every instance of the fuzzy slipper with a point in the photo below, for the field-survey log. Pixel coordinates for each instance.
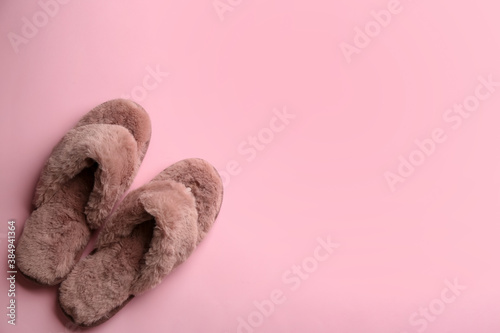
(154, 229)
(86, 173)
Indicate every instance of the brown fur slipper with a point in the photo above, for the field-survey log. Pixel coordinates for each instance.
(153, 230)
(86, 173)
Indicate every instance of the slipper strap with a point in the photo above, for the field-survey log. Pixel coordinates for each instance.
(112, 147)
(173, 208)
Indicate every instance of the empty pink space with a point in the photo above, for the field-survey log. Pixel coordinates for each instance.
(358, 143)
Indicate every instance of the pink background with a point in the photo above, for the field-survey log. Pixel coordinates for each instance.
(320, 175)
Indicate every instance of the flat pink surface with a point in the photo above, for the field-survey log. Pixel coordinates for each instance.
(387, 145)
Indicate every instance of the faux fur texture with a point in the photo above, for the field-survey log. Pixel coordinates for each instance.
(86, 173)
(155, 228)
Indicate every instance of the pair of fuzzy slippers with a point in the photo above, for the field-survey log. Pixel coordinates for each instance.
(154, 228)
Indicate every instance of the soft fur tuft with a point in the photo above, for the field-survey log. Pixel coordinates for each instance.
(204, 182)
(125, 113)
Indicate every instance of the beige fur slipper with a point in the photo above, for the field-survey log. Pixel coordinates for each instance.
(153, 230)
(86, 173)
